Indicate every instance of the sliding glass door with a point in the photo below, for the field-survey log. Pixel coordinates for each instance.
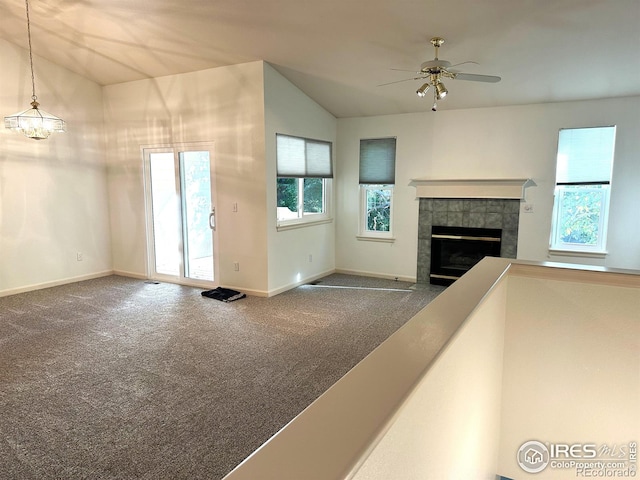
(181, 214)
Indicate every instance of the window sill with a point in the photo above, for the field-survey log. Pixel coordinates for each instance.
(375, 239)
(301, 223)
(576, 253)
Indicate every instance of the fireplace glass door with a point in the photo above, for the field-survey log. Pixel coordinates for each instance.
(455, 250)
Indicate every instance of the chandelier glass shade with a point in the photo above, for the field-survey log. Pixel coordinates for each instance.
(33, 122)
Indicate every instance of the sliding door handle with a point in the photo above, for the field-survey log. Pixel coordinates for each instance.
(212, 219)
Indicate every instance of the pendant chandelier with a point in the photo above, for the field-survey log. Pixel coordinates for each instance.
(34, 123)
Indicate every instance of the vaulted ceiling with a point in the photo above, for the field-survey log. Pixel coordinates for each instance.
(340, 51)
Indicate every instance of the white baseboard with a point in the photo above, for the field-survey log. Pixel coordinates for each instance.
(284, 288)
(124, 273)
(247, 291)
(54, 283)
(256, 293)
(363, 273)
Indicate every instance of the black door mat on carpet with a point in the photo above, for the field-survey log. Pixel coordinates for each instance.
(223, 294)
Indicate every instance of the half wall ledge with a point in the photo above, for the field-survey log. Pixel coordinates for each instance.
(509, 188)
(439, 378)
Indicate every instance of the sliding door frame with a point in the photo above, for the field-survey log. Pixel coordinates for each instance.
(176, 149)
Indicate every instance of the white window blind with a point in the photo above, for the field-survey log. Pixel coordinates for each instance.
(378, 161)
(301, 157)
(585, 155)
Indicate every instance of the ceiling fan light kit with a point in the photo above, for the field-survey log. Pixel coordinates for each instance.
(441, 91)
(422, 91)
(433, 71)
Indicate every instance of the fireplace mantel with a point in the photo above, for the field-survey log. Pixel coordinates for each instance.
(509, 188)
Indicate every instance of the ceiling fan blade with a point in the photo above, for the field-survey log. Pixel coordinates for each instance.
(476, 78)
(400, 81)
(463, 63)
(402, 70)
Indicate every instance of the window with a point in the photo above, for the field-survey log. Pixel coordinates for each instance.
(583, 179)
(377, 178)
(304, 171)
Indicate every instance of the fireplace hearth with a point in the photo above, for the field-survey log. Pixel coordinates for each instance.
(455, 250)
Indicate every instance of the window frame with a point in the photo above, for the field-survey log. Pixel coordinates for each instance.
(363, 232)
(306, 218)
(599, 248)
(375, 180)
(602, 186)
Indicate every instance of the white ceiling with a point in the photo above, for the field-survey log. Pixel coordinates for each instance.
(339, 51)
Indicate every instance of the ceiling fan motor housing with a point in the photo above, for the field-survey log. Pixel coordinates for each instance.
(434, 66)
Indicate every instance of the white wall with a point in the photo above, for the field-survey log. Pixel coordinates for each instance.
(53, 193)
(222, 105)
(571, 367)
(288, 110)
(396, 259)
(54, 202)
(501, 142)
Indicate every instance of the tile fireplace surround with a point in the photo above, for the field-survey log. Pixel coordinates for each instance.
(480, 203)
(466, 212)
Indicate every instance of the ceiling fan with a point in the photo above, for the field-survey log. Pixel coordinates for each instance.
(433, 71)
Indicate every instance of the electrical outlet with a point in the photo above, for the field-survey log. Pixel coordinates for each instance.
(79, 256)
(310, 258)
(235, 207)
(236, 266)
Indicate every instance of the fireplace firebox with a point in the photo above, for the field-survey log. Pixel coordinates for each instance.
(454, 250)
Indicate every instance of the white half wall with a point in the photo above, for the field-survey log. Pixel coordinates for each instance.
(449, 426)
(501, 142)
(512, 352)
(53, 193)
